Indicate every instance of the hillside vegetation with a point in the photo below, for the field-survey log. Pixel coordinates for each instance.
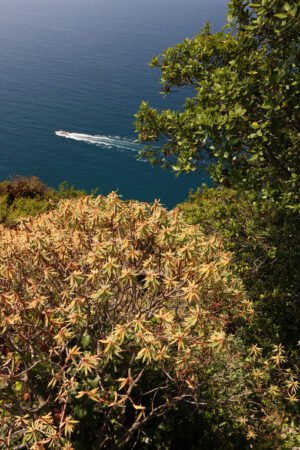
(117, 315)
(22, 196)
(265, 242)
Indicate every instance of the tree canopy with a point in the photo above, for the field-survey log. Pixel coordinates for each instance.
(243, 117)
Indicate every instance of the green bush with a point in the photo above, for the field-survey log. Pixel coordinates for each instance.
(3, 208)
(265, 242)
(23, 207)
(22, 196)
(65, 191)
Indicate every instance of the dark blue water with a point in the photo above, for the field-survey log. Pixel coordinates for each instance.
(81, 66)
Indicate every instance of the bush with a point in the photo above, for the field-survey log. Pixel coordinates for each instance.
(113, 315)
(65, 191)
(20, 186)
(23, 207)
(265, 242)
(23, 196)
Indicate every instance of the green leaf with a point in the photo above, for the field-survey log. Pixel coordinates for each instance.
(86, 340)
(18, 386)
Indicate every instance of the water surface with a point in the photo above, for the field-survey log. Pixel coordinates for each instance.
(81, 66)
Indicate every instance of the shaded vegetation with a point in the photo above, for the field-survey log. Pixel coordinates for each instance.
(22, 196)
(265, 242)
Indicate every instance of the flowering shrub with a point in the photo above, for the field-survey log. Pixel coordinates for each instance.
(111, 315)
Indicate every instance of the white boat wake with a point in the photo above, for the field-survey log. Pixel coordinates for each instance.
(102, 141)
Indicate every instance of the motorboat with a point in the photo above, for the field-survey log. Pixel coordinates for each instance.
(61, 133)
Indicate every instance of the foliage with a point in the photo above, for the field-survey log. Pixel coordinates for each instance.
(111, 316)
(266, 246)
(65, 191)
(23, 196)
(20, 207)
(244, 115)
(20, 186)
(241, 121)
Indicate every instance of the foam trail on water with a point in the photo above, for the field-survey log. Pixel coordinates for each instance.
(101, 141)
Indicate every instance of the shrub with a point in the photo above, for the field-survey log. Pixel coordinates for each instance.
(66, 191)
(111, 316)
(265, 243)
(20, 186)
(3, 208)
(23, 207)
(22, 196)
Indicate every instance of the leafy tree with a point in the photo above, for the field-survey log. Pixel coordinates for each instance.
(244, 115)
(114, 314)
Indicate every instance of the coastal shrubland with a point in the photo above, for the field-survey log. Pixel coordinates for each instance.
(126, 325)
(117, 315)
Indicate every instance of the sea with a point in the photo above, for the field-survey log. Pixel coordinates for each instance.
(82, 67)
